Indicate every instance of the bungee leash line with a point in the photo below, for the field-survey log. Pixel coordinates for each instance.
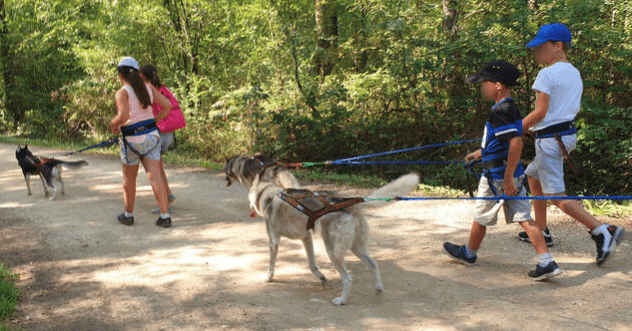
(504, 197)
(353, 160)
(104, 143)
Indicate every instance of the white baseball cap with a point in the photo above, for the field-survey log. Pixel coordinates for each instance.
(128, 62)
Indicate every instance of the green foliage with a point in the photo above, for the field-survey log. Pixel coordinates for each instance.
(8, 293)
(246, 74)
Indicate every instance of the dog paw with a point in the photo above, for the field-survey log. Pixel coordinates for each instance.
(339, 301)
(269, 278)
(378, 291)
(322, 280)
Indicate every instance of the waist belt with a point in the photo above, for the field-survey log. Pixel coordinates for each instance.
(493, 164)
(139, 128)
(562, 129)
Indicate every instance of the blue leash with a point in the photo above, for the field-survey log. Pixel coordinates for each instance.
(104, 143)
(347, 160)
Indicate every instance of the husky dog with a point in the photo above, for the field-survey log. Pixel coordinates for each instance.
(244, 169)
(48, 169)
(342, 230)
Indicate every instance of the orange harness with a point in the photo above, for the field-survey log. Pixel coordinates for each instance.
(315, 205)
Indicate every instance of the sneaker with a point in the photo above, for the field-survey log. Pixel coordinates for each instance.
(164, 222)
(604, 249)
(125, 220)
(171, 197)
(157, 210)
(547, 237)
(542, 273)
(458, 253)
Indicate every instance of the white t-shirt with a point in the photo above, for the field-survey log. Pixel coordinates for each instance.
(563, 83)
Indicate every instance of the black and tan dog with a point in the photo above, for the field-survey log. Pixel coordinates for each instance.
(48, 169)
(339, 220)
(244, 168)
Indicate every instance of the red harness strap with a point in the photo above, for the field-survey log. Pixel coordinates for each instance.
(326, 209)
(40, 162)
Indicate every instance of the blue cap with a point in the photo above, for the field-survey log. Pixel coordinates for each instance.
(551, 32)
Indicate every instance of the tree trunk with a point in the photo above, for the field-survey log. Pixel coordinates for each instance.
(326, 14)
(450, 15)
(10, 102)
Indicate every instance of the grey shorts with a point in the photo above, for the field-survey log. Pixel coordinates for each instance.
(166, 140)
(486, 211)
(149, 148)
(548, 165)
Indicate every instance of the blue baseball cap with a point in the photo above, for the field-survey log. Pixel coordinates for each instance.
(551, 32)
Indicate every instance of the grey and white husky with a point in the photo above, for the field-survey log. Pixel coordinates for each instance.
(342, 230)
(244, 168)
(48, 169)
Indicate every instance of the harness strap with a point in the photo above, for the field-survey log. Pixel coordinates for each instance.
(40, 163)
(315, 214)
(568, 158)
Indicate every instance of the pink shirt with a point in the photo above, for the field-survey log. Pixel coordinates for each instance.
(137, 113)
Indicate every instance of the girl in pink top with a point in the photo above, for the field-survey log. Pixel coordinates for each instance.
(167, 126)
(140, 138)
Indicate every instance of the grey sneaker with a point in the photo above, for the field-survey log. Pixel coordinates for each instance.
(606, 247)
(458, 253)
(522, 236)
(125, 220)
(542, 273)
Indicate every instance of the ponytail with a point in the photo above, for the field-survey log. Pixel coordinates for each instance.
(132, 76)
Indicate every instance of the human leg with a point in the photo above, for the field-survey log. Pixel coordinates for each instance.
(606, 236)
(130, 172)
(158, 183)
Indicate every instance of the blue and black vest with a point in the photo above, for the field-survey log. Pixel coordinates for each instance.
(504, 123)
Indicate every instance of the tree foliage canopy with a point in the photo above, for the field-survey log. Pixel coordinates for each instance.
(313, 80)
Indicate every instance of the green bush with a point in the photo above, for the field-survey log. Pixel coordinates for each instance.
(8, 293)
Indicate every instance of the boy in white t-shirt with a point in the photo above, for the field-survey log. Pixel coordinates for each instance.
(559, 90)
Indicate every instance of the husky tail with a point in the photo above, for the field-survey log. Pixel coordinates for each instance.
(75, 164)
(397, 188)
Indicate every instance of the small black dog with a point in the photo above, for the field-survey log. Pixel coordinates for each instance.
(49, 169)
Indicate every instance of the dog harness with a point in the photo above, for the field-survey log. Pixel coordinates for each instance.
(315, 204)
(39, 163)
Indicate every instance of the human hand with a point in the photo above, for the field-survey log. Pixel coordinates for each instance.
(509, 187)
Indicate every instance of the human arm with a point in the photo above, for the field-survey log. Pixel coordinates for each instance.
(163, 102)
(515, 150)
(538, 114)
(122, 111)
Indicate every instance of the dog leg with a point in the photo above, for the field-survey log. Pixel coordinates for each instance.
(364, 256)
(346, 278)
(27, 178)
(308, 243)
(44, 185)
(274, 249)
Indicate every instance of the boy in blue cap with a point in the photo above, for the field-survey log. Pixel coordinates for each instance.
(500, 155)
(559, 90)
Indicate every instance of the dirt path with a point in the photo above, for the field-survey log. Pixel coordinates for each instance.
(81, 270)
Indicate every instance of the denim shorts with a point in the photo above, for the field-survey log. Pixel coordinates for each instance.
(149, 148)
(548, 165)
(166, 140)
(486, 211)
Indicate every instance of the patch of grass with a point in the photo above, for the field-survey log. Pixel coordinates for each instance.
(609, 208)
(8, 293)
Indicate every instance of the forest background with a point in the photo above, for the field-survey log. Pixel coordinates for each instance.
(316, 80)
